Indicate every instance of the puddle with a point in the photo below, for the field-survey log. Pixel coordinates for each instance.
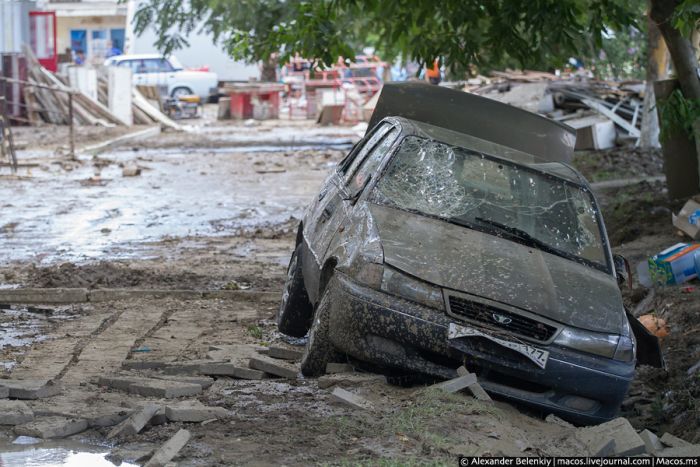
(20, 327)
(58, 215)
(30, 452)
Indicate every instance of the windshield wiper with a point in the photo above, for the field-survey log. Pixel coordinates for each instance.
(524, 237)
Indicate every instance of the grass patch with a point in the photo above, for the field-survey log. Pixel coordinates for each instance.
(255, 331)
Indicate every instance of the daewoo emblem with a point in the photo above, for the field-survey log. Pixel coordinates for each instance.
(500, 319)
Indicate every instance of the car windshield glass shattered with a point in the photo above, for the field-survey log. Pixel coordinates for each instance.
(495, 196)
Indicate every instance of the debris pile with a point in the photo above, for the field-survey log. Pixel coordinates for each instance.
(603, 113)
(82, 95)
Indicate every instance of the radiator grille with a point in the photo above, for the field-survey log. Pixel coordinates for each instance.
(498, 318)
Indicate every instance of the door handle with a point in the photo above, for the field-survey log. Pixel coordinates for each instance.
(326, 214)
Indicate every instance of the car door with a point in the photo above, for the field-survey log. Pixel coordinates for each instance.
(329, 209)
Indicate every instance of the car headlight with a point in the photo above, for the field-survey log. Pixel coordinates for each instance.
(410, 288)
(606, 345)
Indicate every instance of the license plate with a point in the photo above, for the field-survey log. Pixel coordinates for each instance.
(538, 356)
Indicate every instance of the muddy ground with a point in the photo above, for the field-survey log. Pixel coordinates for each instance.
(216, 209)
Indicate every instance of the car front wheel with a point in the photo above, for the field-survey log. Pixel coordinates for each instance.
(295, 312)
(318, 351)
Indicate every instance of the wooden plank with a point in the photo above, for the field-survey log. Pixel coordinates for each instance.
(603, 110)
(151, 111)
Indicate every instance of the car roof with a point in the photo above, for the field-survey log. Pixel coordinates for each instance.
(463, 140)
(119, 58)
(475, 115)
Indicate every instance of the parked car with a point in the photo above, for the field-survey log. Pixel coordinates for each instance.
(428, 248)
(156, 70)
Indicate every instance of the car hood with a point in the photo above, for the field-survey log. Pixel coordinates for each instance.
(491, 267)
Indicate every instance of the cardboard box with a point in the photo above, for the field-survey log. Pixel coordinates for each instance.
(675, 265)
(683, 220)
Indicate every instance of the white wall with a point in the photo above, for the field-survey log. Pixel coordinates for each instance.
(14, 24)
(202, 51)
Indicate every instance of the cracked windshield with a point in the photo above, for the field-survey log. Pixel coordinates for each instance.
(474, 190)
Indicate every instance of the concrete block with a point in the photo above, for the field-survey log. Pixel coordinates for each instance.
(477, 391)
(284, 353)
(164, 389)
(606, 448)
(105, 416)
(193, 411)
(353, 400)
(120, 383)
(349, 379)
(4, 392)
(669, 440)
(249, 373)
(691, 450)
(277, 368)
(59, 295)
(551, 418)
(143, 364)
(627, 441)
(203, 381)
(52, 427)
(15, 413)
(456, 384)
(30, 388)
(192, 367)
(159, 418)
(169, 450)
(135, 423)
(651, 441)
(217, 369)
(339, 368)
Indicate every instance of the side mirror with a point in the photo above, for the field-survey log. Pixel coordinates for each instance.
(622, 270)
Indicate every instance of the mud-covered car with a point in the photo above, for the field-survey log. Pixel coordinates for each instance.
(429, 248)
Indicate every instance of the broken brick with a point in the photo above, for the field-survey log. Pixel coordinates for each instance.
(135, 423)
(193, 411)
(164, 389)
(283, 369)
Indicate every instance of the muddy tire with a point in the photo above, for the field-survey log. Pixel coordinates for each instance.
(295, 312)
(318, 351)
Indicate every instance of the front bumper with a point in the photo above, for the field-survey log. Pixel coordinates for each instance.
(391, 332)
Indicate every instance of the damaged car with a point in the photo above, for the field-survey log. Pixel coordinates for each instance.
(454, 233)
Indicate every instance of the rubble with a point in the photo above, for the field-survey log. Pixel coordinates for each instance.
(15, 413)
(619, 430)
(277, 368)
(52, 427)
(349, 379)
(164, 389)
(673, 441)
(203, 381)
(249, 373)
(284, 353)
(353, 400)
(475, 388)
(169, 450)
(30, 389)
(135, 423)
(456, 384)
(651, 441)
(193, 411)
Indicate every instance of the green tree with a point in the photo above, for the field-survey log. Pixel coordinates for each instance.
(464, 33)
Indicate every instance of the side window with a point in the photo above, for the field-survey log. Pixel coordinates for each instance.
(372, 162)
(164, 66)
(350, 167)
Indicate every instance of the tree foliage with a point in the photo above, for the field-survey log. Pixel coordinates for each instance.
(464, 33)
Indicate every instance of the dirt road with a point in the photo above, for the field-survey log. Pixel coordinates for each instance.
(215, 211)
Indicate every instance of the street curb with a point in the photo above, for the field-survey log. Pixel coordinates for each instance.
(83, 295)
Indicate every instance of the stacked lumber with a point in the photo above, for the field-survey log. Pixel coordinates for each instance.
(49, 101)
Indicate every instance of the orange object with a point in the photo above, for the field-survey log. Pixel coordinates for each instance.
(433, 72)
(655, 325)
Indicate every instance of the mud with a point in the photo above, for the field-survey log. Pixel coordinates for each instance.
(223, 216)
